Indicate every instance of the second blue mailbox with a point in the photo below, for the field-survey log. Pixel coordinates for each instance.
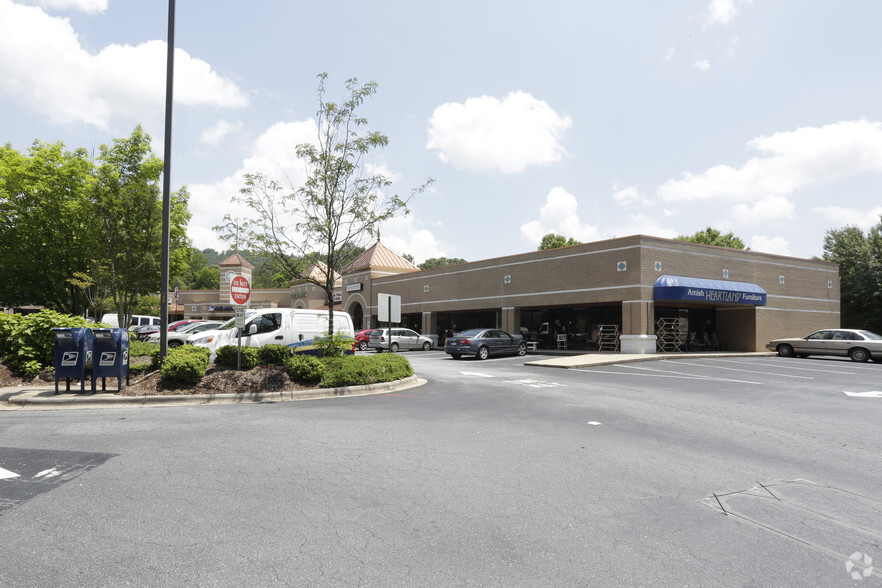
(111, 356)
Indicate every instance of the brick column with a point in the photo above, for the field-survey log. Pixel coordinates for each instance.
(638, 327)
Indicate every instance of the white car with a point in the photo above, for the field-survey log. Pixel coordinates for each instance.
(177, 338)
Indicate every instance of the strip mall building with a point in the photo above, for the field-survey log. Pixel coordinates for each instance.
(636, 294)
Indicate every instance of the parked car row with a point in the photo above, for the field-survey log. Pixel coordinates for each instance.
(179, 336)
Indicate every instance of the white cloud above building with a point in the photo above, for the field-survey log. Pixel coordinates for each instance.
(506, 136)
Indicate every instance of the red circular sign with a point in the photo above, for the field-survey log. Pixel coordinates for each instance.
(240, 290)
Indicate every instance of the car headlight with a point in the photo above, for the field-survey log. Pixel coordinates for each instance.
(204, 340)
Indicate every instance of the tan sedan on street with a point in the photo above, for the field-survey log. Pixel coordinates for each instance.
(857, 344)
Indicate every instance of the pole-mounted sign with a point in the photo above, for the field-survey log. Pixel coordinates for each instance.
(240, 290)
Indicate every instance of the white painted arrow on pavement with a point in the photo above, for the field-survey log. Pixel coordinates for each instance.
(864, 394)
(5, 474)
(50, 473)
(477, 375)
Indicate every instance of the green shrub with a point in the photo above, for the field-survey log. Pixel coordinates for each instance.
(141, 349)
(227, 356)
(186, 364)
(358, 370)
(26, 341)
(335, 346)
(304, 368)
(273, 354)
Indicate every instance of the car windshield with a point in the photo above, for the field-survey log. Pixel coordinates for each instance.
(232, 322)
(189, 327)
(870, 335)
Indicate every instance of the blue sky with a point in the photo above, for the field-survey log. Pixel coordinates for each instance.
(590, 119)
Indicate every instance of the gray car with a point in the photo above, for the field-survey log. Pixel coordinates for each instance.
(857, 344)
(482, 343)
(401, 339)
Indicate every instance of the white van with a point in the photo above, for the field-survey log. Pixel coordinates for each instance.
(296, 328)
(138, 320)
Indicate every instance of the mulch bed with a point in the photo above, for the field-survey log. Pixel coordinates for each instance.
(217, 380)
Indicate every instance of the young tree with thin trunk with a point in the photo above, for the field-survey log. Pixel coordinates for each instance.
(339, 207)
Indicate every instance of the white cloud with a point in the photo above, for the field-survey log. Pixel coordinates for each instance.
(404, 234)
(793, 160)
(723, 11)
(841, 216)
(508, 135)
(215, 134)
(776, 245)
(628, 196)
(87, 6)
(702, 65)
(774, 208)
(271, 154)
(43, 65)
(558, 215)
(669, 55)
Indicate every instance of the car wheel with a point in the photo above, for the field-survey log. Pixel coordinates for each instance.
(394, 347)
(455, 355)
(859, 354)
(173, 344)
(362, 345)
(483, 353)
(522, 349)
(785, 351)
(427, 346)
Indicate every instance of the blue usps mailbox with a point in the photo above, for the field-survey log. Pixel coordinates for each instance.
(73, 352)
(111, 356)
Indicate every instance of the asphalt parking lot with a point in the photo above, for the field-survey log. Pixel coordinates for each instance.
(730, 471)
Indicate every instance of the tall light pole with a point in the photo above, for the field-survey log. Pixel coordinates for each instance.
(166, 181)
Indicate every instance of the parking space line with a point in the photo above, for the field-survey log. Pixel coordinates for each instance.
(789, 367)
(696, 376)
(662, 374)
(681, 362)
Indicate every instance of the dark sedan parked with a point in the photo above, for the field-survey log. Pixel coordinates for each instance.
(482, 343)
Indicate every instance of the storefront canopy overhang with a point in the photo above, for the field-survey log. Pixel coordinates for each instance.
(702, 290)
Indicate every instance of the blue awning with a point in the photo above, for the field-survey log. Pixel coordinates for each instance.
(699, 289)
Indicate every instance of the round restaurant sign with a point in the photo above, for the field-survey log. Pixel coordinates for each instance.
(240, 290)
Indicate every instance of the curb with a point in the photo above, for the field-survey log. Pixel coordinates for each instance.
(28, 402)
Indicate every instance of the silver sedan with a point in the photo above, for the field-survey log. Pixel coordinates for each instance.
(857, 344)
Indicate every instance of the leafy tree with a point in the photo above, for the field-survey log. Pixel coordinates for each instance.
(46, 232)
(554, 241)
(128, 215)
(72, 234)
(340, 205)
(860, 274)
(434, 262)
(711, 236)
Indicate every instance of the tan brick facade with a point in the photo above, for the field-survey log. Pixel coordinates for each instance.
(614, 278)
(573, 290)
